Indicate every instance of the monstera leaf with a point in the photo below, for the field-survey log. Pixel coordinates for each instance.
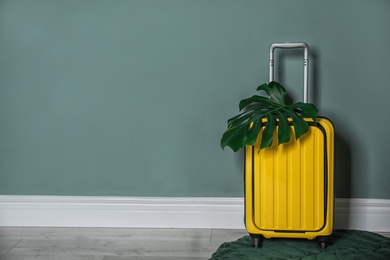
(271, 112)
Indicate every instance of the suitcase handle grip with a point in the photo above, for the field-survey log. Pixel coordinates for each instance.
(292, 45)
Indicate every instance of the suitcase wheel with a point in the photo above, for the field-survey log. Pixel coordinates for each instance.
(323, 242)
(256, 240)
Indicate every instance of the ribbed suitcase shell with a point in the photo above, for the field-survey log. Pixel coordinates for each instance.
(289, 189)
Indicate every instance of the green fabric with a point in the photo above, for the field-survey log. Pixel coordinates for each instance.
(344, 244)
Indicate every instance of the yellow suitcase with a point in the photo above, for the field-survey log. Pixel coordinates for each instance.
(289, 189)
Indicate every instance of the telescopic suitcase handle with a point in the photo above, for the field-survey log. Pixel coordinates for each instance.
(291, 45)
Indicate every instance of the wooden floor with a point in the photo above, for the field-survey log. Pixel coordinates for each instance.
(17, 243)
(111, 244)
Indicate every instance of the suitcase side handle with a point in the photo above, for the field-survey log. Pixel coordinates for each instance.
(292, 45)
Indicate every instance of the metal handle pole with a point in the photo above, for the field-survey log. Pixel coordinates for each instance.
(292, 45)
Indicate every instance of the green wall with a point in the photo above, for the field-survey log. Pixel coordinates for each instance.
(130, 98)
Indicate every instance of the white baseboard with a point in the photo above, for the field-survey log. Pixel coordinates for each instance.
(364, 214)
(136, 212)
(166, 212)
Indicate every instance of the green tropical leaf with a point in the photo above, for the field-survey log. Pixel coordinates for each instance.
(270, 112)
(259, 100)
(275, 91)
(300, 126)
(284, 131)
(253, 133)
(268, 133)
(234, 137)
(306, 110)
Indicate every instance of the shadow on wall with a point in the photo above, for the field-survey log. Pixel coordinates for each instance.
(343, 167)
(343, 173)
(351, 161)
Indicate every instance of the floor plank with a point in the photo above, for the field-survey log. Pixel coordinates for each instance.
(6, 244)
(48, 257)
(112, 246)
(226, 235)
(154, 258)
(101, 243)
(25, 243)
